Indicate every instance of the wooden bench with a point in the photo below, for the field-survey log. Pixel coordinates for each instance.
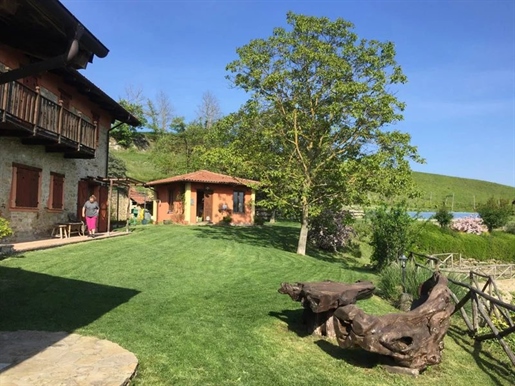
(60, 229)
(75, 227)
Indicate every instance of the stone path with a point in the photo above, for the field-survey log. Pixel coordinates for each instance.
(53, 242)
(58, 358)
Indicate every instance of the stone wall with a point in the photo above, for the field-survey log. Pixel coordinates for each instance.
(28, 224)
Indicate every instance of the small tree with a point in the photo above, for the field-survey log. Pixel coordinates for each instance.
(116, 167)
(5, 229)
(495, 213)
(392, 234)
(443, 217)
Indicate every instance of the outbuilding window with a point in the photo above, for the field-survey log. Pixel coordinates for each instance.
(238, 202)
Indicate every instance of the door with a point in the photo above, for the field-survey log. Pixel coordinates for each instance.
(208, 206)
(102, 197)
(86, 189)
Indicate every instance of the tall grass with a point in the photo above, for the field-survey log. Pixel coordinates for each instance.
(390, 281)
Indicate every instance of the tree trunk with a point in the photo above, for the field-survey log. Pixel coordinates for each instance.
(303, 237)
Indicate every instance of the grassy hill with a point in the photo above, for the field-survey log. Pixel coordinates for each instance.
(434, 188)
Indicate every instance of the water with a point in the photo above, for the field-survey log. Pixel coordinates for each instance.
(427, 215)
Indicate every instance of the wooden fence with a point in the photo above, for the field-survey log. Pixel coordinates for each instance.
(486, 302)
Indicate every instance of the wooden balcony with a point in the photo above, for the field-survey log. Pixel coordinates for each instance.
(26, 114)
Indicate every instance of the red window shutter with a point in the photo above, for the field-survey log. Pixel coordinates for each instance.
(27, 187)
(57, 191)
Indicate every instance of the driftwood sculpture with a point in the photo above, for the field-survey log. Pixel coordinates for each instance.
(320, 299)
(413, 339)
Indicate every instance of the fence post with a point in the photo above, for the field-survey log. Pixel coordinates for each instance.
(473, 301)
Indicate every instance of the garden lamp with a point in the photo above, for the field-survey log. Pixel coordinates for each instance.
(403, 259)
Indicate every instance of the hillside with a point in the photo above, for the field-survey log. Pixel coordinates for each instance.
(434, 188)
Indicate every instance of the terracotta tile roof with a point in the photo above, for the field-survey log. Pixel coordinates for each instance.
(205, 176)
(138, 197)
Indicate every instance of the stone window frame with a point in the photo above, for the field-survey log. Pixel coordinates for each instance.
(14, 187)
(54, 178)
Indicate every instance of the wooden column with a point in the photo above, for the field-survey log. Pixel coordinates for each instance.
(60, 121)
(79, 140)
(109, 206)
(37, 108)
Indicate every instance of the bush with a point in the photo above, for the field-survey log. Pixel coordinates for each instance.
(510, 228)
(392, 234)
(331, 230)
(259, 220)
(227, 219)
(496, 245)
(390, 280)
(495, 213)
(443, 217)
(5, 229)
(469, 225)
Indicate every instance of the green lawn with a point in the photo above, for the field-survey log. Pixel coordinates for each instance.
(199, 306)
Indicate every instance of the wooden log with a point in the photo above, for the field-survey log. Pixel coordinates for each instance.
(320, 299)
(413, 339)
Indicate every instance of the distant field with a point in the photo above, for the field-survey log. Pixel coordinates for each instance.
(138, 164)
(435, 189)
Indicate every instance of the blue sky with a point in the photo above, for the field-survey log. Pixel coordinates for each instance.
(459, 57)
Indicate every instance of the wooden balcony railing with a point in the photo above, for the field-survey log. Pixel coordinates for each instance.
(43, 116)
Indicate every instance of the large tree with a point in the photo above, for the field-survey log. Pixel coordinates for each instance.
(209, 111)
(321, 98)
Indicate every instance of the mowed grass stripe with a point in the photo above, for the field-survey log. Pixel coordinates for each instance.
(199, 305)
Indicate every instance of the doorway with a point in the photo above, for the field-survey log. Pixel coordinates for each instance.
(85, 189)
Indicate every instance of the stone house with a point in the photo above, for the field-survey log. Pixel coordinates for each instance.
(54, 122)
(204, 196)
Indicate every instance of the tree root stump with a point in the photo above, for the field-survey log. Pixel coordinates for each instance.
(413, 339)
(321, 299)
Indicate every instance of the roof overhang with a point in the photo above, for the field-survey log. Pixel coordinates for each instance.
(44, 29)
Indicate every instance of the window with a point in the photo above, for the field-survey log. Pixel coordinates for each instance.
(238, 202)
(56, 197)
(25, 186)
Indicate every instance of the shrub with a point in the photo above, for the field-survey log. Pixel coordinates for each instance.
(495, 213)
(5, 229)
(259, 220)
(443, 217)
(227, 219)
(392, 234)
(390, 280)
(469, 225)
(510, 228)
(331, 230)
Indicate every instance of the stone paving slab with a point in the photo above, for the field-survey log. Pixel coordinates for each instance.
(59, 358)
(53, 242)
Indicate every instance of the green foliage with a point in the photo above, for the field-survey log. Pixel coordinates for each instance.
(496, 245)
(510, 228)
(5, 229)
(176, 152)
(390, 280)
(227, 219)
(331, 230)
(124, 134)
(116, 167)
(495, 213)
(392, 234)
(139, 164)
(443, 217)
(259, 221)
(320, 96)
(435, 188)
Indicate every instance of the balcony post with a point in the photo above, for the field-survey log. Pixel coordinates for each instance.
(79, 142)
(37, 108)
(95, 139)
(5, 98)
(60, 121)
